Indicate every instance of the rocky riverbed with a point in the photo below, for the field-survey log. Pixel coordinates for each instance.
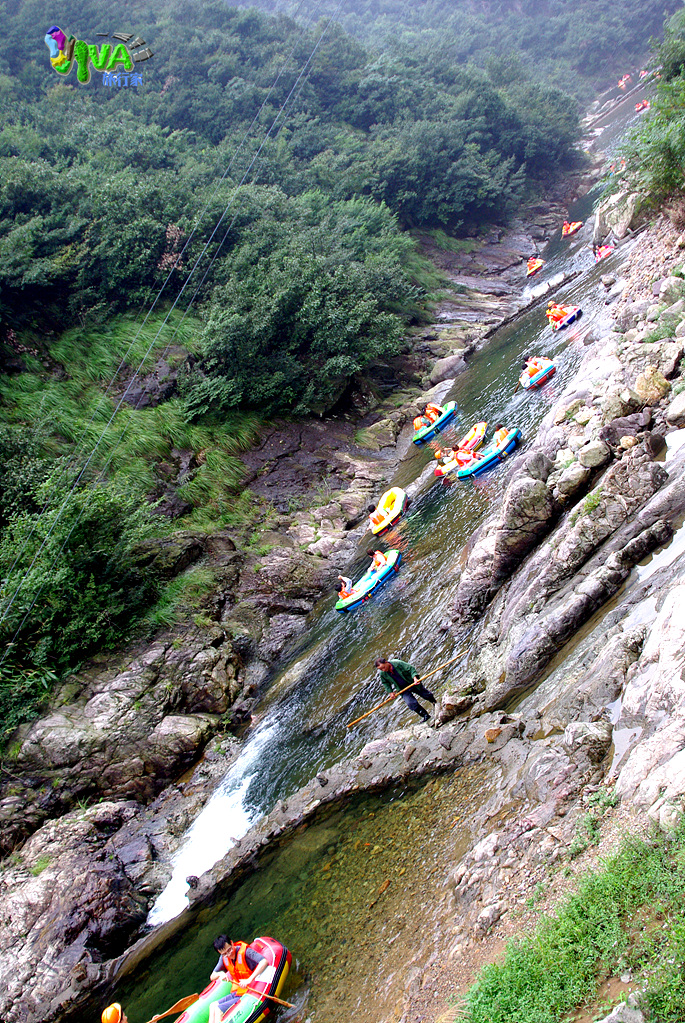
(549, 741)
(132, 732)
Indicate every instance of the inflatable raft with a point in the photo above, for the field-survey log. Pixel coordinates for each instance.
(574, 312)
(569, 229)
(252, 1007)
(370, 582)
(546, 371)
(393, 505)
(533, 266)
(491, 455)
(426, 432)
(603, 251)
(471, 442)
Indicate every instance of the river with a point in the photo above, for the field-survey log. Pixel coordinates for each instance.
(315, 892)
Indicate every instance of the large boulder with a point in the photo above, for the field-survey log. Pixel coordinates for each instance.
(675, 413)
(447, 368)
(652, 385)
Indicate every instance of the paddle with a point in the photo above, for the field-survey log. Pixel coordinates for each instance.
(410, 686)
(180, 1006)
(263, 994)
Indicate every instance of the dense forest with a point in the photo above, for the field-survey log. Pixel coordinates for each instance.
(577, 45)
(269, 173)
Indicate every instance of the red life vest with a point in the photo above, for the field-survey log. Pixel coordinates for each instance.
(238, 969)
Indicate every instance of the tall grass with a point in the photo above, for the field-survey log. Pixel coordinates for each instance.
(75, 418)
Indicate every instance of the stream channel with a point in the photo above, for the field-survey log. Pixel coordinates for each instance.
(317, 893)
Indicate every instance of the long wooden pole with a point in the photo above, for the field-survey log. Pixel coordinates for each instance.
(399, 693)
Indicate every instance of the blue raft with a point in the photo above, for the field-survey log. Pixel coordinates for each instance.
(491, 455)
(426, 432)
(370, 582)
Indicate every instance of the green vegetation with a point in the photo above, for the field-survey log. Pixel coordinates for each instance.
(656, 150)
(574, 45)
(629, 914)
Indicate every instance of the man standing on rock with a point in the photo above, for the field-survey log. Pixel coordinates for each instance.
(396, 675)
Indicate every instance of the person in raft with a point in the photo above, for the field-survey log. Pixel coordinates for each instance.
(113, 1014)
(239, 963)
(396, 675)
(378, 560)
(501, 433)
(345, 588)
(376, 516)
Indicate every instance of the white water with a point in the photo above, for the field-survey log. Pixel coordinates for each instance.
(224, 820)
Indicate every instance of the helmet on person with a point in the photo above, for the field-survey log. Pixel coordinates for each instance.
(112, 1014)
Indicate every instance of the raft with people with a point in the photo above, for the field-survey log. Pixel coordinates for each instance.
(502, 444)
(602, 252)
(533, 265)
(256, 1004)
(390, 508)
(536, 372)
(462, 453)
(569, 229)
(373, 579)
(433, 420)
(563, 316)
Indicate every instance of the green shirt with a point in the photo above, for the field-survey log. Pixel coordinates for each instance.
(404, 670)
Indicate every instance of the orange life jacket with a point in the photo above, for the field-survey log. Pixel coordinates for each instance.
(420, 422)
(433, 412)
(238, 970)
(376, 517)
(379, 560)
(500, 435)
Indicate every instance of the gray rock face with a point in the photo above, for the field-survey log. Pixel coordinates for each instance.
(572, 479)
(592, 737)
(675, 413)
(594, 454)
(447, 368)
(501, 544)
(127, 734)
(66, 901)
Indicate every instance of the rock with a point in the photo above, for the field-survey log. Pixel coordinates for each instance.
(447, 368)
(624, 1013)
(627, 442)
(593, 454)
(572, 479)
(608, 280)
(491, 734)
(527, 512)
(584, 415)
(382, 434)
(651, 385)
(625, 426)
(675, 413)
(592, 737)
(617, 214)
(680, 329)
(671, 289)
(619, 403)
(674, 313)
(164, 557)
(354, 504)
(488, 917)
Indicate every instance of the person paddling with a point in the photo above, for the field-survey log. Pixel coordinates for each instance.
(239, 963)
(396, 675)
